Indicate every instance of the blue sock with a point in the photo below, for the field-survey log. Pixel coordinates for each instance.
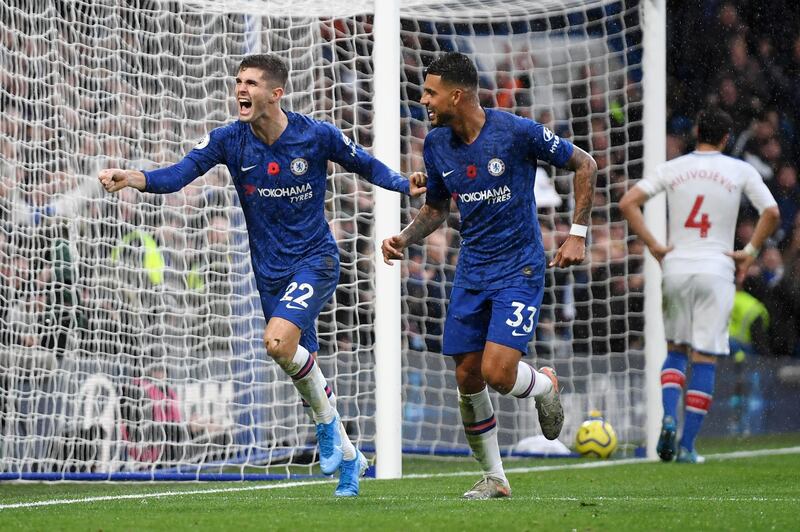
(673, 377)
(698, 401)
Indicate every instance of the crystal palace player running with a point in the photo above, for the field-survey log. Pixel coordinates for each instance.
(704, 190)
(278, 162)
(486, 160)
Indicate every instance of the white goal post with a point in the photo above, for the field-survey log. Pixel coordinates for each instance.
(130, 328)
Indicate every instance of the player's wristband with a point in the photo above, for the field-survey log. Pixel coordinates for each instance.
(751, 250)
(579, 230)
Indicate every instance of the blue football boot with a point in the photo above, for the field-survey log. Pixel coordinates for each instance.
(686, 456)
(329, 438)
(666, 441)
(349, 474)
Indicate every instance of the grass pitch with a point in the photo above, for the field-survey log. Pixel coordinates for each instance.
(728, 492)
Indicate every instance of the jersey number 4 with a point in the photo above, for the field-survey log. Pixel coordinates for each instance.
(697, 220)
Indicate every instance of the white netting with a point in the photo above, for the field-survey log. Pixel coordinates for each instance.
(132, 326)
(131, 329)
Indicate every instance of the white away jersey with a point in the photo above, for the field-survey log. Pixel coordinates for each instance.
(704, 190)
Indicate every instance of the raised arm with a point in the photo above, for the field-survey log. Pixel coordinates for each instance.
(342, 150)
(162, 181)
(205, 155)
(430, 216)
(573, 250)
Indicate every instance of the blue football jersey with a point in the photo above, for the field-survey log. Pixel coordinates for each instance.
(492, 182)
(281, 187)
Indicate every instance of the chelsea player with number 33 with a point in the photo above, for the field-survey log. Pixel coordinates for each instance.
(278, 163)
(486, 161)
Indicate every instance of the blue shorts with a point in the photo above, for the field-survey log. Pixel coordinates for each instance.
(299, 298)
(506, 316)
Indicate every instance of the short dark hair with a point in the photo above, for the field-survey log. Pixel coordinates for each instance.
(273, 67)
(712, 125)
(456, 69)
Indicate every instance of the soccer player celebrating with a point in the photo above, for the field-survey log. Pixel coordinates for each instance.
(278, 162)
(704, 190)
(486, 160)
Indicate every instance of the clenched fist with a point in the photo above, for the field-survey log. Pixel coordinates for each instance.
(392, 248)
(115, 179)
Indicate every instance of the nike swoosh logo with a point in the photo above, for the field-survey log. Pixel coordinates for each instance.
(294, 307)
(248, 168)
(445, 174)
(515, 333)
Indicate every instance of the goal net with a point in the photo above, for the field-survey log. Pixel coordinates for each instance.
(130, 343)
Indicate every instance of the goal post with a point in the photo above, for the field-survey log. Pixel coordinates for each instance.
(388, 334)
(130, 334)
(655, 212)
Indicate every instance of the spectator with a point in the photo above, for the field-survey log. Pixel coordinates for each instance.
(152, 424)
(787, 194)
(749, 323)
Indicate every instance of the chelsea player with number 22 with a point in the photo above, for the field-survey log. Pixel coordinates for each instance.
(278, 162)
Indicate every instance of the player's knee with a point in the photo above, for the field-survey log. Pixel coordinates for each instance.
(469, 377)
(278, 348)
(498, 378)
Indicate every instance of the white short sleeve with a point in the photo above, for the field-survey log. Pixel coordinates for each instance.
(654, 183)
(756, 190)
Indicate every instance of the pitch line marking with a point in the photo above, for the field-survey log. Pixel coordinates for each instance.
(613, 463)
(586, 465)
(160, 494)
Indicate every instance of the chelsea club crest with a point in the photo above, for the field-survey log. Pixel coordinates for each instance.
(299, 166)
(496, 167)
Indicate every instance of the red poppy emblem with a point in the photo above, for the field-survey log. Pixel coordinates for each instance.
(472, 171)
(273, 168)
(249, 189)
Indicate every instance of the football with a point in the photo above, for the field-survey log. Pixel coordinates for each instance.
(596, 438)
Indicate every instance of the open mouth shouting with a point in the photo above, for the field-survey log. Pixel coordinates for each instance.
(245, 107)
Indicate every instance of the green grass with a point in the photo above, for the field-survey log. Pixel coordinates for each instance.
(758, 493)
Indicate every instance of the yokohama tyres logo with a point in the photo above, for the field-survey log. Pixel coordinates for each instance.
(492, 195)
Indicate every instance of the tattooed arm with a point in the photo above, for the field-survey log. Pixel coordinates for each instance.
(430, 216)
(573, 250)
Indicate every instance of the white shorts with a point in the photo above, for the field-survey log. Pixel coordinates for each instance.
(697, 309)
